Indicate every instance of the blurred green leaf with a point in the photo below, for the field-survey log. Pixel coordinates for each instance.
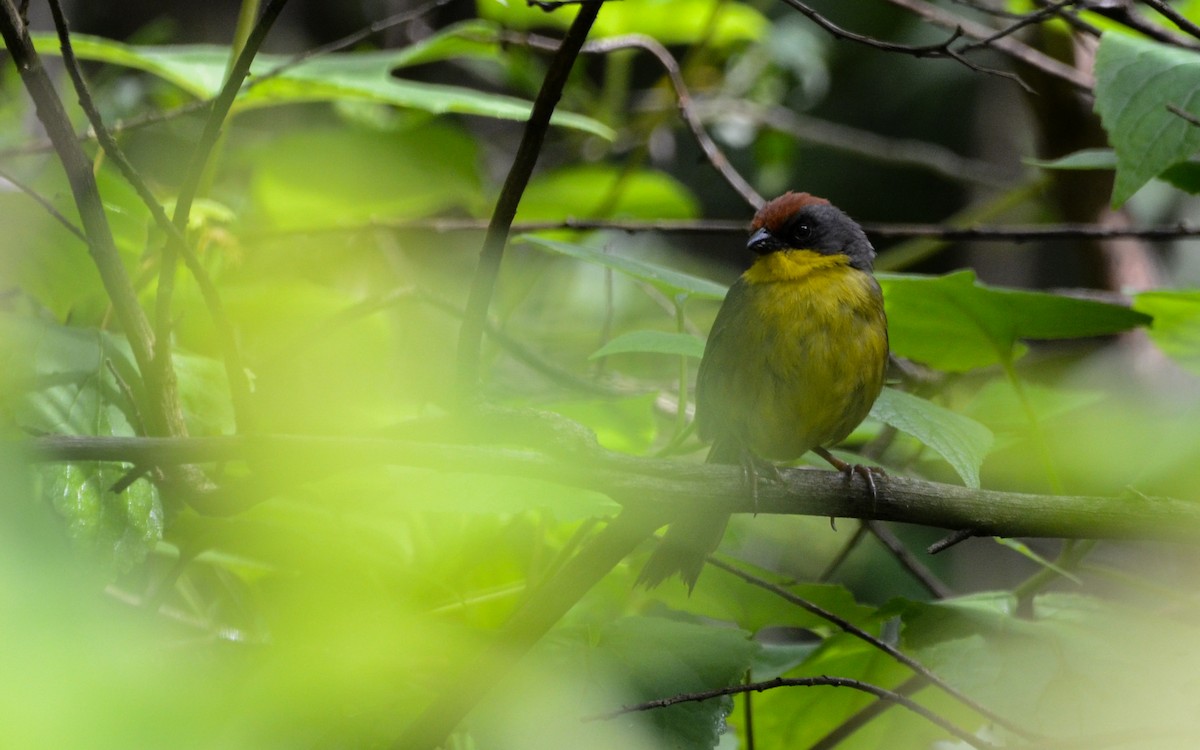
(653, 342)
(1080, 667)
(1176, 326)
(1024, 550)
(585, 191)
(1136, 81)
(1088, 158)
(667, 280)
(628, 425)
(343, 177)
(352, 76)
(69, 386)
(719, 24)
(1184, 175)
(960, 440)
(955, 323)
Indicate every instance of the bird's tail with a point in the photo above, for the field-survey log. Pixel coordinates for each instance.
(692, 538)
(684, 548)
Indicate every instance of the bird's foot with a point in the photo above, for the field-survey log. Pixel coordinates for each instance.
(868, 473)
(754, 469)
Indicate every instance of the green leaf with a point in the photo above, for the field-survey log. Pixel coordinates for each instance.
(678, 22)
(316, 179)
(653, 342)
(1080, 667)
(1136, 81)
(584, 191)
(955, 323)
(70, 386)
(668, 281)
(1176, 327)
(350, 76)
(960, 440)
(1023, 549)
(628, 425)
(1088, 158)
(1184, 176)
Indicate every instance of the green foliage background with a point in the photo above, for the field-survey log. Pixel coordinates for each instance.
(335, 604)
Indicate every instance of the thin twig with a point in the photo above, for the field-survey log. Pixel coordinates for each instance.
(943, 49)
(1016, 234)
(844, 553)
(909, 561)
(45, 204)
(826, 681)
(1182, 22)
(1007, 45)
(239, 382)
(1044, 14)
(1123, 13)
(194, 172)
(861, 718)
(1179, 111)
(686, 111)
(157, 117)
(484, 281)
(164, 415)
(908, 152)
(853, 630)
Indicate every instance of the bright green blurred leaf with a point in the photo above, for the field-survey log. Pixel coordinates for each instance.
(955, 323)
(1080, 667)
(1136, 81)
(439, 492)
(1176, 326)
(70, 387)
(717, 23)
(653, 342)
(628, 425)
(584, 191)
(667, 280)
(344, 177)
(354, 76)
(960, 440)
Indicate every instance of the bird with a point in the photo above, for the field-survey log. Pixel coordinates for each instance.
(794, 361)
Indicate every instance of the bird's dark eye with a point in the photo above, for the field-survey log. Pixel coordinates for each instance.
(801, 231)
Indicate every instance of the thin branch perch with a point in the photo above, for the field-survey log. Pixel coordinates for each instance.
(637, 481)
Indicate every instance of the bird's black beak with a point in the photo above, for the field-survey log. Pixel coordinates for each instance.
(763, 242)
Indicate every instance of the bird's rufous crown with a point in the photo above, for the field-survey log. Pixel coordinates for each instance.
(776, 212)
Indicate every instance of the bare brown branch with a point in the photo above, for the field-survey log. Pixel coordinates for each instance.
(822, 681)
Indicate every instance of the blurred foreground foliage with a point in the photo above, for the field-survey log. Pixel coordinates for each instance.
(331, 609)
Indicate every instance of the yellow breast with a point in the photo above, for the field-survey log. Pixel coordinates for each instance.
(797, 355)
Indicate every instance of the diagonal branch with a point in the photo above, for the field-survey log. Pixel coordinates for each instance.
(483, 283)
(1009, 46)
(163, 412)
(821, 681)
(853, 630)
(1182, 22)
(239, 382)
(191, 185)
